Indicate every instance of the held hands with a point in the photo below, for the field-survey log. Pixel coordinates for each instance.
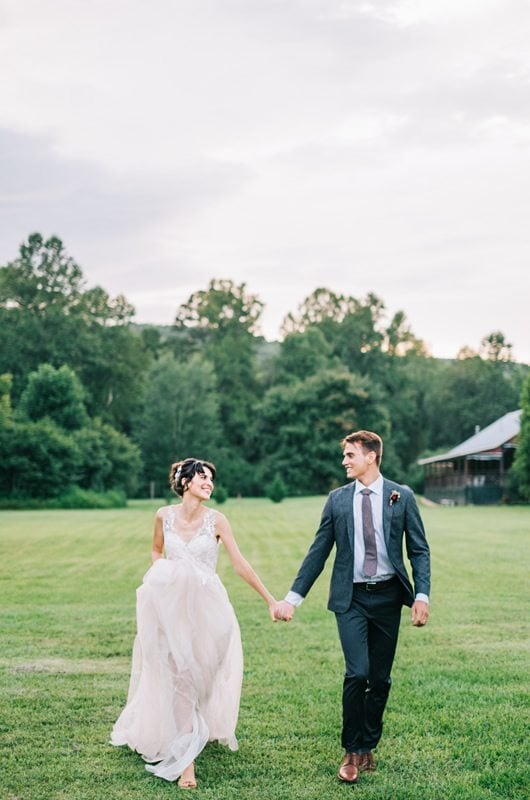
(282, 610)
(419, 613)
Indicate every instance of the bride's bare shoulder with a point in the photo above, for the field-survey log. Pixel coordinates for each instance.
(164, 510)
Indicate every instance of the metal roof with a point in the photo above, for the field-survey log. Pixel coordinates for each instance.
(489, 438)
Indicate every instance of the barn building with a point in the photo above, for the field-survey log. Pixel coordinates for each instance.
(474, 472)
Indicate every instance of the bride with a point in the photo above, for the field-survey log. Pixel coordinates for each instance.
(187, 661)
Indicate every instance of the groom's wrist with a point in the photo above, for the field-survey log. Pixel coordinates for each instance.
(294, 599)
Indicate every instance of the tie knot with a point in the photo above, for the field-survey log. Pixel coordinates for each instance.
(366, 492)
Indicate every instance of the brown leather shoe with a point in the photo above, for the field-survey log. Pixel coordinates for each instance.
(349, 769)
(367, 763)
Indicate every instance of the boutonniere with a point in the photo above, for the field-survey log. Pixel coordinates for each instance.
(394, 497)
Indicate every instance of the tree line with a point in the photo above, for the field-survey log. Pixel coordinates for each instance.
(91, 401)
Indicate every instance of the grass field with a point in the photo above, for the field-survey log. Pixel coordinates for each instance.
(457, 720)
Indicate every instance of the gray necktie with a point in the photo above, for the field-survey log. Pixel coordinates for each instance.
(370, 548)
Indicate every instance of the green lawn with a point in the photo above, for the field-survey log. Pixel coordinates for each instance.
(456, 723)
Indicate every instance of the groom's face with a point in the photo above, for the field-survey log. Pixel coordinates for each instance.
(358, 461)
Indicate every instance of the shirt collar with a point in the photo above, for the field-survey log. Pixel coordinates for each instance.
(376, 487)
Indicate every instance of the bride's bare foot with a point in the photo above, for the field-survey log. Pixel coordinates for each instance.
(187, 779)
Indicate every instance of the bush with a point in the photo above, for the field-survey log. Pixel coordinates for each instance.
(39, 459)
(83, 498)
(57, 394)
(276, 490)
(220, 494)
(74, 498)
(108, 459)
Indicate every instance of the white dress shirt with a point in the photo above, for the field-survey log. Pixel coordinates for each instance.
(385, 570)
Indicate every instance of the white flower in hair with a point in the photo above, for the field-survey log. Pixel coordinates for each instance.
(177, 474)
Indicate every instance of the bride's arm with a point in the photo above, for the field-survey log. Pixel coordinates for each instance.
(240, 564)
(157, 549)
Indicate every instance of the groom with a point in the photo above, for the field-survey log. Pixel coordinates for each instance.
(366, 521)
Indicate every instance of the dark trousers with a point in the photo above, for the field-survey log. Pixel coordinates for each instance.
(368, 632)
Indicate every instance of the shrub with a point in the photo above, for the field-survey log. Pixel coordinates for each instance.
(74, 498)
(220, 495)
(39, 459)
(276, 490)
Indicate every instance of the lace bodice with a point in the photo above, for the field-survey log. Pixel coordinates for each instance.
(203, 545)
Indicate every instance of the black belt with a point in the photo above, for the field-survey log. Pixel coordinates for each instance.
(376, 586)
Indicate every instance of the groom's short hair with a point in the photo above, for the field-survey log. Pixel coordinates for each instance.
(369, 441)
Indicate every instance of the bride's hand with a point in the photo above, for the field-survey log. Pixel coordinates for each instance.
(282, 611)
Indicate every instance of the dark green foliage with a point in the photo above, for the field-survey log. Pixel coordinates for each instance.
(521, 466)
(221, 322)
(276, 490)
(107, 459)
(73, 498)
(48, 316)
(42, 458)
(114, 372)
(302, 355)
(300, 426)
(42, 277)
(5, 399)
(468, 392)
(220, 494)
(180, 418)
(255, 408)
(39, 459)
(57, 394)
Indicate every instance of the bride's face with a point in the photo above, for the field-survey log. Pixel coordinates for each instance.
(201, 485)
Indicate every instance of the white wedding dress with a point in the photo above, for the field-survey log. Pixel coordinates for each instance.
(187, 665)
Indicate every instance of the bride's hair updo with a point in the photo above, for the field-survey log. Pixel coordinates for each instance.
(182, 472)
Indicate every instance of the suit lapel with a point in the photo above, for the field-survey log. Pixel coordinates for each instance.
(387, 510)
(348, 509)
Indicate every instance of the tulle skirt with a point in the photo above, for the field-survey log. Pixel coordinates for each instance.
(187, 668)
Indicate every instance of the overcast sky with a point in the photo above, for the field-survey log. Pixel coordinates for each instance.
(365, 146)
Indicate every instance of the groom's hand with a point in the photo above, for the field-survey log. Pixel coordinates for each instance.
(419, 613)
(283, 611)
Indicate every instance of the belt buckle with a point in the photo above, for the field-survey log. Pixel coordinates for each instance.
(370, 586)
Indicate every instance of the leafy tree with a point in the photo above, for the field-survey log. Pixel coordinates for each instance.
(48, 316)
(98, 307)
(5, 399)
(38, 460)
(107, 459)
(180, 418)
(57, 394)
(208, 315)
(406, 391)
(276, 490)
(495, 347)
(43, 277)
(95, 466)
(301, 355)
(471, 391)
(152, 340)
(399, 338)
(59, 447)
(521, 465)
(356, 330)
(323, 308)
(299, 428)
(114, 372)
(220, 323)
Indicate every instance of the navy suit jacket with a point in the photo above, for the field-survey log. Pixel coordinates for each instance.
(400, 520)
